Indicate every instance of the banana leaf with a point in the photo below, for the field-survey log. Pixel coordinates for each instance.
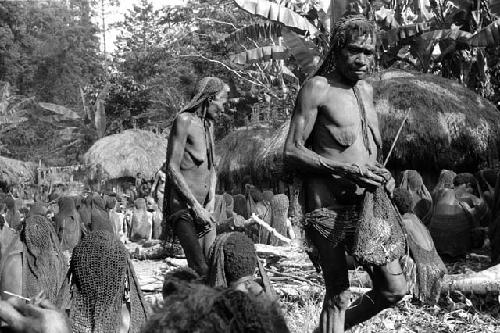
(274, 12)
(395, 35)
(487, 37)
(453, 34)
(306, 54)
(12, 119)
(267, 30)
(259, 54)
(60, 110)
(495, 7)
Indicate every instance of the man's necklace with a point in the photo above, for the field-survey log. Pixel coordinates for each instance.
(364, 124)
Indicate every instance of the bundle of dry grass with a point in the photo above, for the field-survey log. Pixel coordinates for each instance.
(126, 154)
(16, 172)
(269, 159)
(237, 153)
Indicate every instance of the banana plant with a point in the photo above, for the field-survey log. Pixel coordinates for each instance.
(290, 33)
(277, 13)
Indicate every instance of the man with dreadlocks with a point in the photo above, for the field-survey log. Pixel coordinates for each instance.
(333, 142)
(191, 172)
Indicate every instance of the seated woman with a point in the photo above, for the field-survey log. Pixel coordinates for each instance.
(421, 198)
(32, 261)
(451, 224)
(430, 269)
(105, 294)
(445, 181)
(190, 306)
(487, 179)
(467, 190)
(232, 263)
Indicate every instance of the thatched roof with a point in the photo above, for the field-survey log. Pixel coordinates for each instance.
(126, 154)
(449, 126)
(237, 151)
(16, 172)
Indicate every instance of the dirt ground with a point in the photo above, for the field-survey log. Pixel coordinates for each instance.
(301, 291)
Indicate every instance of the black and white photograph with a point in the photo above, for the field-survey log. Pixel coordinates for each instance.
(250, 166)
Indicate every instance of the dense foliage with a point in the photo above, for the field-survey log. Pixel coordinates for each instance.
(49, 52)
(48, 49)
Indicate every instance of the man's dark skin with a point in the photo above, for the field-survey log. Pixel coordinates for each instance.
(336, 174)
(193, 179)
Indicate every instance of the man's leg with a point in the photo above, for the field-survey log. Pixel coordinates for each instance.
(337, 298)
(185, 230)
(389, 287)
(207, 240)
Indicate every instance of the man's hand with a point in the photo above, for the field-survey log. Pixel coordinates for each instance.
(203, 215)
(40, 317)
(380, 170)
(366, 175)
(390, 186)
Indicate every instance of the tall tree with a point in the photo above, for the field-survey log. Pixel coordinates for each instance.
(48, 49)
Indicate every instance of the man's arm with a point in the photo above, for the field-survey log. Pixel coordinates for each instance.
(210, 206)
(175, 153)
(155, 184)
(304, 118)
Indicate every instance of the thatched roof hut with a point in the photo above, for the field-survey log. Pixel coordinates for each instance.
(236, 154)
(126, 154)
(16, 172)
(448, 127)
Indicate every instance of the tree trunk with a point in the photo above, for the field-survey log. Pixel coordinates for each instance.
(480, 283)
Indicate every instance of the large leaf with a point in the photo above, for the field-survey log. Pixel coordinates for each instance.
(495, 7)
(305, 53)
(259, 54)
(393, 36)
(60, 110)
(12, 119)
(457, 35)
(268, 30)
(487, 37)
(274, 12)
(386, 18)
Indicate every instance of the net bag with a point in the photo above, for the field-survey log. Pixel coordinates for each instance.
(379, 237)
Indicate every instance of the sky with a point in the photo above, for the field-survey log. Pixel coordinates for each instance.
(115, 14)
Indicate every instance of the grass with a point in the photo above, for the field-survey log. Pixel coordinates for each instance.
(454, 314)
(303, 316)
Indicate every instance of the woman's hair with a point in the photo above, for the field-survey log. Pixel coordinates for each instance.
(189, 306)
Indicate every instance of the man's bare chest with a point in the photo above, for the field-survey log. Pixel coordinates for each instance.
(197, 145)
(344, 109)
(345, 116)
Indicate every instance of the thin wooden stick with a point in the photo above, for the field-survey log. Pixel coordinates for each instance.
(397, 136)
(270, 229)
(293, 277)
(16, 295)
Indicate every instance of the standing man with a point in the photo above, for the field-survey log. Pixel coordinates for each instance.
(158, 188)
(190, 195)
(333, 141)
